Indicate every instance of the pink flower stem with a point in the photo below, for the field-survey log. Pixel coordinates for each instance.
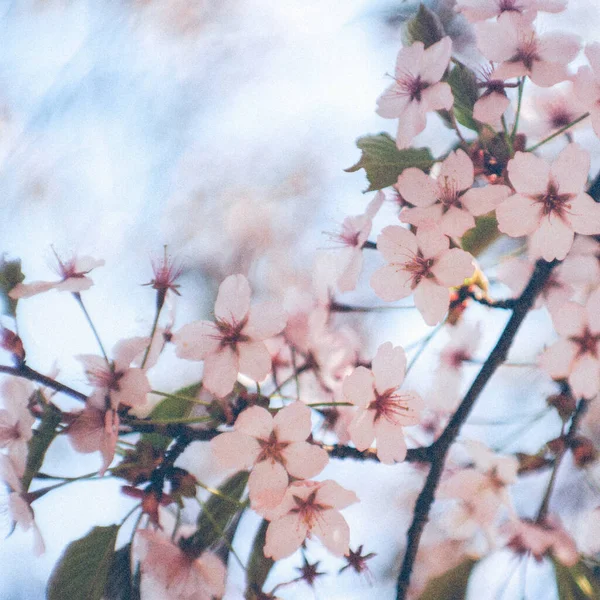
(442, 445)
(558, 132)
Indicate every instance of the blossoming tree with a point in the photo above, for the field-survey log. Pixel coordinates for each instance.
(285, 388)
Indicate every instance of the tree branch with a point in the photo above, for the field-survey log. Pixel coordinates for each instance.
(442, 445)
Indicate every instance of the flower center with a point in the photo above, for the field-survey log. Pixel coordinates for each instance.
(448, 194)
(527, 52)
(388, 405)
(553, 202)
(587, 343)
(419, 268)
(308, 510)
(230, 334)
(412, 86)
(509, 6)
(272, 449)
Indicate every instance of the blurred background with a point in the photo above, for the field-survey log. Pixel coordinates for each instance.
(221, 128)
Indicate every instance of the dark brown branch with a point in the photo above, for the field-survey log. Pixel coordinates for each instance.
(442, 445)
(171, 430)
(423, 454)
(27, 373)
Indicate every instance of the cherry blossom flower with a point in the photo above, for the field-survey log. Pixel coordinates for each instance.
(587, 84)
(481, 10)
(16, 421)
(542, 539)
(355, 232)
(513, 42)
(582, 265)
(73, 278)
(549, 204)
(118, 383)
(180, 575)
(235, 343)
(309, 508)
(422, 265)
(492, 104)
(576, 355)
(166, 272)
(383, 410)
(448, 201)
(417, 89)
(272, 447)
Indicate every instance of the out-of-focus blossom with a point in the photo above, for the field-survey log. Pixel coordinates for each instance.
(417, 89)
(178, 574)
(382, 409)
(274, 448)
(575, 356)
(513, 42)
(587, 84)
(354, 233)
(235, 343)
(73, 278)
(117, 383)
(550, 204)
(309, 508)
(422, 265)
(481, 10)
(582, 265)
(448, 201)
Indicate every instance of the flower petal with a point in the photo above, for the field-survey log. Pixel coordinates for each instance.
(417, 188)
(391, 446)
(333, 531)
(432, 301)
(233, 299)
(220, 372)
(235, 450)
(267, 485)
(453, 267)
(389, 366)
(254, 360)
(304, 460)
(265, 320)
(255, 421)
(358, 387)
(518, 216)
(528, 173)
(293, 423)
(570, 169)
(361, 429)
(196, 341)
(284, 536)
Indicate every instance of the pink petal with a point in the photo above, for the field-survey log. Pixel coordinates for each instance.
(375, 204)
(256, 422)
(196, 341)
(133, 389)
(496, 41)
(592, 53)
(585, 377)
(559, 47)
(391, 283)
(220, 372)
(457, 168)
(417, 188)
(490, 108)
(570, 319)
(429, 217)
(431, 241)
(412, 122)
(432, 301)
(592, 309)
(456, 221)
(557, 359)
(437, 97)
(585, 215)
(547, 74)
(409, 60)
(333, 531)
(265, 320)
(233, 299)
(389, 366)
(570, 169)
(304, 460)
(509, 70)
(293, 423)
(26, 290)
(362, 430)
(126, 350)
(453, 267)
(435, 60)
(254, 360)
(74, 284)
(480, 201)
(267, 485)
(358, 387)
(595, 113)
(528, 173)
(391, 446)
(392, 103)
(351, 266)
(553, 239)
(397, 244)
(284, 536)
(331, 493)
(235, 450)
(518, 216)
(212, 572)
(8, 473)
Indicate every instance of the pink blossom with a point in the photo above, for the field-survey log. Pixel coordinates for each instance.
(587, 84)
(417, 89)
(481, 10)
(382, 409)
(422, 265)
(582, 265)
(16, 421)
(542, 539)
(549, 204)
(118, 383)
(575, 355)
(355, 232)
(235, 343)
(492, 104)
(73, 278)
(309, 508)
(274, 448)
(513, 42)
(448, 201)
(179, 575)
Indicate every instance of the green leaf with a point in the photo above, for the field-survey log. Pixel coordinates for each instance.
(424, 27)
(10, 275)
(464, 88)
(219, 510)
(452, 585)
(173, 407)
(482, 235)
(383, 162)
(82, 571)
(40, 442)
(120, 585)
(576, 582)
(259, 565)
